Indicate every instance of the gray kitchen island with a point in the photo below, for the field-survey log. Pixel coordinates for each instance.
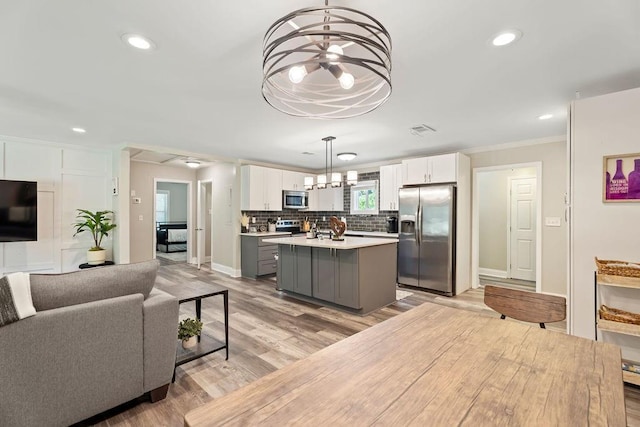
(357, 274)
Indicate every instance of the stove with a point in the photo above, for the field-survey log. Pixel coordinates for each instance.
(290, 225)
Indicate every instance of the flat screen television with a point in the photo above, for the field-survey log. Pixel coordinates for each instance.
(18, 211)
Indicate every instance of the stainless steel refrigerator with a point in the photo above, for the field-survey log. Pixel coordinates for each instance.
(427, 234)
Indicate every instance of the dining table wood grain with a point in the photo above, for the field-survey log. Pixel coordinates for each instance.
(436, 366)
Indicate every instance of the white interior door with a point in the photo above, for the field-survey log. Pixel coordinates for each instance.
(201, 210)
(522, 228)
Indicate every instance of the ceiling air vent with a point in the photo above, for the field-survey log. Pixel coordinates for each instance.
(421, 130)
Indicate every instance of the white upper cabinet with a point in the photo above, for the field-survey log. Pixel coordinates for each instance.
(414, 171)
(313, 200)
(443, 168)
(390, 181)
(293, 180)
(261, 188)
(430, 170)
(330, 199)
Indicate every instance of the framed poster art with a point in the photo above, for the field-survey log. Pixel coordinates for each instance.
(621, 178)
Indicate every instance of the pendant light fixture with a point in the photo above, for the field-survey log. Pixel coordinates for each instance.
(334, 179)
(328, 62)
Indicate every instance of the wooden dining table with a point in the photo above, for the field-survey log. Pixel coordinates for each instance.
(436, 366)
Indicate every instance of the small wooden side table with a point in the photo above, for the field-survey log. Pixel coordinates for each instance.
(207, 344)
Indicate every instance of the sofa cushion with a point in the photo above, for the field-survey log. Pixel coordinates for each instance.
(59, 290)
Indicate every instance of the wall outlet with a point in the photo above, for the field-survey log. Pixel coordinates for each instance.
(139, 217)
(552, 221)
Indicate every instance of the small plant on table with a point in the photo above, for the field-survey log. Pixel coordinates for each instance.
(188, 330)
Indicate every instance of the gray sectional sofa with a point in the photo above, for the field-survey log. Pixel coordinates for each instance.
(100, 338)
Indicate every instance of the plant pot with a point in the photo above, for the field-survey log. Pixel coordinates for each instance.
(96, 257)
(190, 343)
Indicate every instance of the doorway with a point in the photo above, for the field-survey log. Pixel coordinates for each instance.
(172, 210)
(507, 226)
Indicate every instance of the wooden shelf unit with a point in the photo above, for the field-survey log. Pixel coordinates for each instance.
(604, 325)
(618, 281)
(619, 327)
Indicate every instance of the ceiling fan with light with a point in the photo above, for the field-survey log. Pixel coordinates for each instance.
(326, 62)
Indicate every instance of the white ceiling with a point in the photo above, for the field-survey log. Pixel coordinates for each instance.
(64, 65)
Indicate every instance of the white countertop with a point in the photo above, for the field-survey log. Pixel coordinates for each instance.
(347, 243)
(267, 233)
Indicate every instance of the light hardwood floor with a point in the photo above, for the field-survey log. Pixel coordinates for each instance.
(267, 331)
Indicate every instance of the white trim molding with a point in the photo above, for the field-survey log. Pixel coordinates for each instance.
(491, 272)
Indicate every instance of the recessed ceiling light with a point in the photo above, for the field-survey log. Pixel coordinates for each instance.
(79, 130)
(138, 41)
(347, 156)
(545, 116)
(506, 37)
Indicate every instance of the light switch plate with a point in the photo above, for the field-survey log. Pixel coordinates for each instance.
(552, 221)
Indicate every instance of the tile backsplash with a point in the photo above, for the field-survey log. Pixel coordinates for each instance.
(354, 222)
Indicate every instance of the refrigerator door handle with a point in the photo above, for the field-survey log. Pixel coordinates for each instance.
(416, 225)
(419, 225)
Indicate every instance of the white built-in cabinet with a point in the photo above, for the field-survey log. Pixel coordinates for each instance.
(326, 199)
(390, 181)
(331, 199)
(313, 200)
(430, 170)
(292, 180)
(261, 188)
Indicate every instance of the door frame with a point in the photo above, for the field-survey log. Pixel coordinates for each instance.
(190, 238)
(509, 219)
(203, 210)
(475, 231)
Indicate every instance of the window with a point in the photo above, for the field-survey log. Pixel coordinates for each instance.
(162, 206)
(364, 198)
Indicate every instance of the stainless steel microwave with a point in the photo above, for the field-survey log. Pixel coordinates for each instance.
(295, 199)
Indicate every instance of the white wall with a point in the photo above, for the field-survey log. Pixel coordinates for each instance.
(554, 166)
(142, 226)
(225, 177)
(121, 202)
(600, 126)
(68, 178)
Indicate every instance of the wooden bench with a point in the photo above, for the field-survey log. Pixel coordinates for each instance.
(525, 306)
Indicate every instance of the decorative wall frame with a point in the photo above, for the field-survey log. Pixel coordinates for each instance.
(621, 178)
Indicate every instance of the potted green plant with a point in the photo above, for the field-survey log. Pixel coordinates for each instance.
(99, 224)
(188, 332)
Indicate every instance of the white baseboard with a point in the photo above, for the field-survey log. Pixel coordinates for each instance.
(493, 273)
(226, 270)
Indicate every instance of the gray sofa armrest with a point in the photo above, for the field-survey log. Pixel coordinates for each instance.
(50, 363)
(160, 312)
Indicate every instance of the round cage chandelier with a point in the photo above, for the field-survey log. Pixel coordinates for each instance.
(328, 62)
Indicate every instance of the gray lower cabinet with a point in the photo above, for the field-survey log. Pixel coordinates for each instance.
(294, 269)
(335, 276)
(257, 257)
